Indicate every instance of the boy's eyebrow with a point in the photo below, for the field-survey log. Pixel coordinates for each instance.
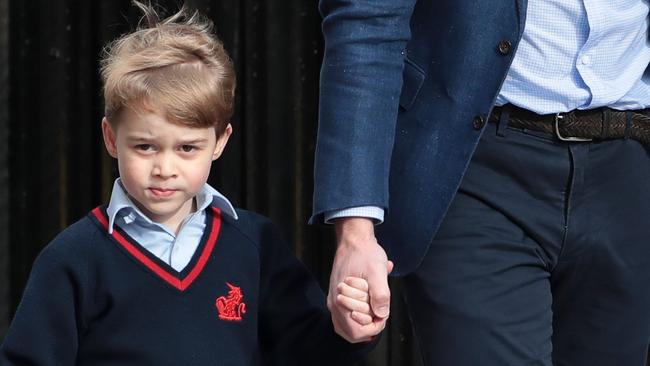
(139, 138)
(197, 140)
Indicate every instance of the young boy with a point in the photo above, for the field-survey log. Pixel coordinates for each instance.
(169, 273)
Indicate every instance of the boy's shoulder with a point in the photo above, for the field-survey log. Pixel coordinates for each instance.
(73, 248)
(257, 228)
(76, 238)
(250, 221)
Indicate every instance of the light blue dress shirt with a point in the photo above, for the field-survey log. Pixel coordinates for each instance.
(581, 54)
(175, 250)
(574, 54)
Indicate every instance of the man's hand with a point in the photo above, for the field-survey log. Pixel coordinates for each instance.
(359, 255)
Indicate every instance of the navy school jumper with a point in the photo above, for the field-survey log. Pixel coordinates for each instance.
(99, 299)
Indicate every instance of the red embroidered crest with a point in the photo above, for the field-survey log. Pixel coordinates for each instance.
(231, 307)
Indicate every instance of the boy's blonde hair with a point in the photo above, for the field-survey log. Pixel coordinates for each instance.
(175, 66)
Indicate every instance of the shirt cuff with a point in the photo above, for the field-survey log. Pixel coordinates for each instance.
(372, 212)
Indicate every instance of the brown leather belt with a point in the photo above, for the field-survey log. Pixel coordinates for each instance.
(577, 125)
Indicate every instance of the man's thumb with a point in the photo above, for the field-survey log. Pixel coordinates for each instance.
(379, 294)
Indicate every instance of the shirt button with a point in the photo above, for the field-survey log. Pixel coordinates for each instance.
(504, 47)
(585, 60)
(478, 122)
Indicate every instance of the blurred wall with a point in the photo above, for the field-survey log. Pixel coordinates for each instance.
(4, 169)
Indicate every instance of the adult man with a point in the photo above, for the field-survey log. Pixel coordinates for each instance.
(542, 257)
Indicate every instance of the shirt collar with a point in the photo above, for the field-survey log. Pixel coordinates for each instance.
(206, 196)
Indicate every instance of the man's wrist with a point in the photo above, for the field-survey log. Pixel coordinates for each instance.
(354, 230)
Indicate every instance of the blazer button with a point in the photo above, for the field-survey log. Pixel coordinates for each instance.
(504, 47)
(478, 122)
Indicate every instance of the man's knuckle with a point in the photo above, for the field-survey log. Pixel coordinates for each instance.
(382, 294)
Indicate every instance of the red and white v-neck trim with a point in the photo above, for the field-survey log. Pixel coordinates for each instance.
(136, 251)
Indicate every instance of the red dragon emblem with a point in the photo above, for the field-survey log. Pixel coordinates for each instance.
(231, 307)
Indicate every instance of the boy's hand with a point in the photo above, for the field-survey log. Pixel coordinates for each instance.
(352, 294)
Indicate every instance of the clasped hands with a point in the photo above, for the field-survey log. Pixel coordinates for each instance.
(359, 296)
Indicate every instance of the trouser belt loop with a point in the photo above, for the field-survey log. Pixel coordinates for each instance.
(628, 124)
(605, 122)
(504, 116)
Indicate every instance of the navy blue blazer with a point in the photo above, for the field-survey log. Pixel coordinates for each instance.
(406, 88)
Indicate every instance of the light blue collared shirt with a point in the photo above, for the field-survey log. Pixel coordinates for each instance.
(175, 250)
(574, 54)
(581, 54)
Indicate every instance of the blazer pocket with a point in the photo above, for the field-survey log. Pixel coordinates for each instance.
(412, 80)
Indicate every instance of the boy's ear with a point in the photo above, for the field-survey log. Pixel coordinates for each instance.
(109, 138)
(221, 142)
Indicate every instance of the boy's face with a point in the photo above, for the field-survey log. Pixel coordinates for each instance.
(162, 165)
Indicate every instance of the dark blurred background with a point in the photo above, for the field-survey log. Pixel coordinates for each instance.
(53, 168)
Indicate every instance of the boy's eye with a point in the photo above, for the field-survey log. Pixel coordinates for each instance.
(188, 148)
(144, 147)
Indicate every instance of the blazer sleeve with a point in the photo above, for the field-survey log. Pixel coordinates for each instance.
(45, 329)
(361, 79)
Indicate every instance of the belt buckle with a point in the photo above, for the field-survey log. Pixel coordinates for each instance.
(560, 116)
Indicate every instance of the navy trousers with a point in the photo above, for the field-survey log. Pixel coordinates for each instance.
(543, 258)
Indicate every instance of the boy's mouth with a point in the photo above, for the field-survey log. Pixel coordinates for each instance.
(162, 192)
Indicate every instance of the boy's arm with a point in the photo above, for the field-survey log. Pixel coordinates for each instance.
(295, 326)
(45, 328)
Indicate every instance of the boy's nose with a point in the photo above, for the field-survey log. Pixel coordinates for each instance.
(164, 167)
